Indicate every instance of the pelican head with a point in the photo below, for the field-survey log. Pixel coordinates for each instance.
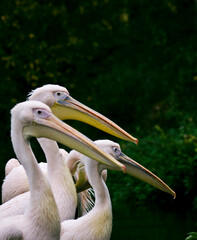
(37, 120)
(65, 107)
(132, 167)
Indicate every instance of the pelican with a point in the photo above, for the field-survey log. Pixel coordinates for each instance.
(64, 107)
(41, 219)
(97, 224)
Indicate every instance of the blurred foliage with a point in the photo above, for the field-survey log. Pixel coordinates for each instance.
(133, 61)
(192, 236)
(172, 155)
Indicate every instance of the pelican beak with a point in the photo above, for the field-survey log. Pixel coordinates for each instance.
(72, 109)
(81, 180)
(135, 169)
(53, 128)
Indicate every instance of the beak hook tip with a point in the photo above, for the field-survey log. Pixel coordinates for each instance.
(123, 168)
(174, 196)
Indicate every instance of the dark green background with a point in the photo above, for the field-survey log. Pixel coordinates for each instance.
(135, 61)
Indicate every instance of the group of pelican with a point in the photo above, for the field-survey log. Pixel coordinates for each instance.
(39, 201)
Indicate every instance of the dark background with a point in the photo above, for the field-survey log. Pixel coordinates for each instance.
(134, 61)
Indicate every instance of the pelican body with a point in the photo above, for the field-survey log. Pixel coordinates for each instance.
(41, 219)
(97, 224)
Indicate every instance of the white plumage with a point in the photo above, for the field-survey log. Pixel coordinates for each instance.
(41, 218)
(97, 224)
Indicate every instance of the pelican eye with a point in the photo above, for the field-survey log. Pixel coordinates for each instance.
(116, 149)
(42, 113)
(61, 96)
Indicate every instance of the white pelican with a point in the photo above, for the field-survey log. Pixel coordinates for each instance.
(97, 224)
(64, 107)
(41, 219)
